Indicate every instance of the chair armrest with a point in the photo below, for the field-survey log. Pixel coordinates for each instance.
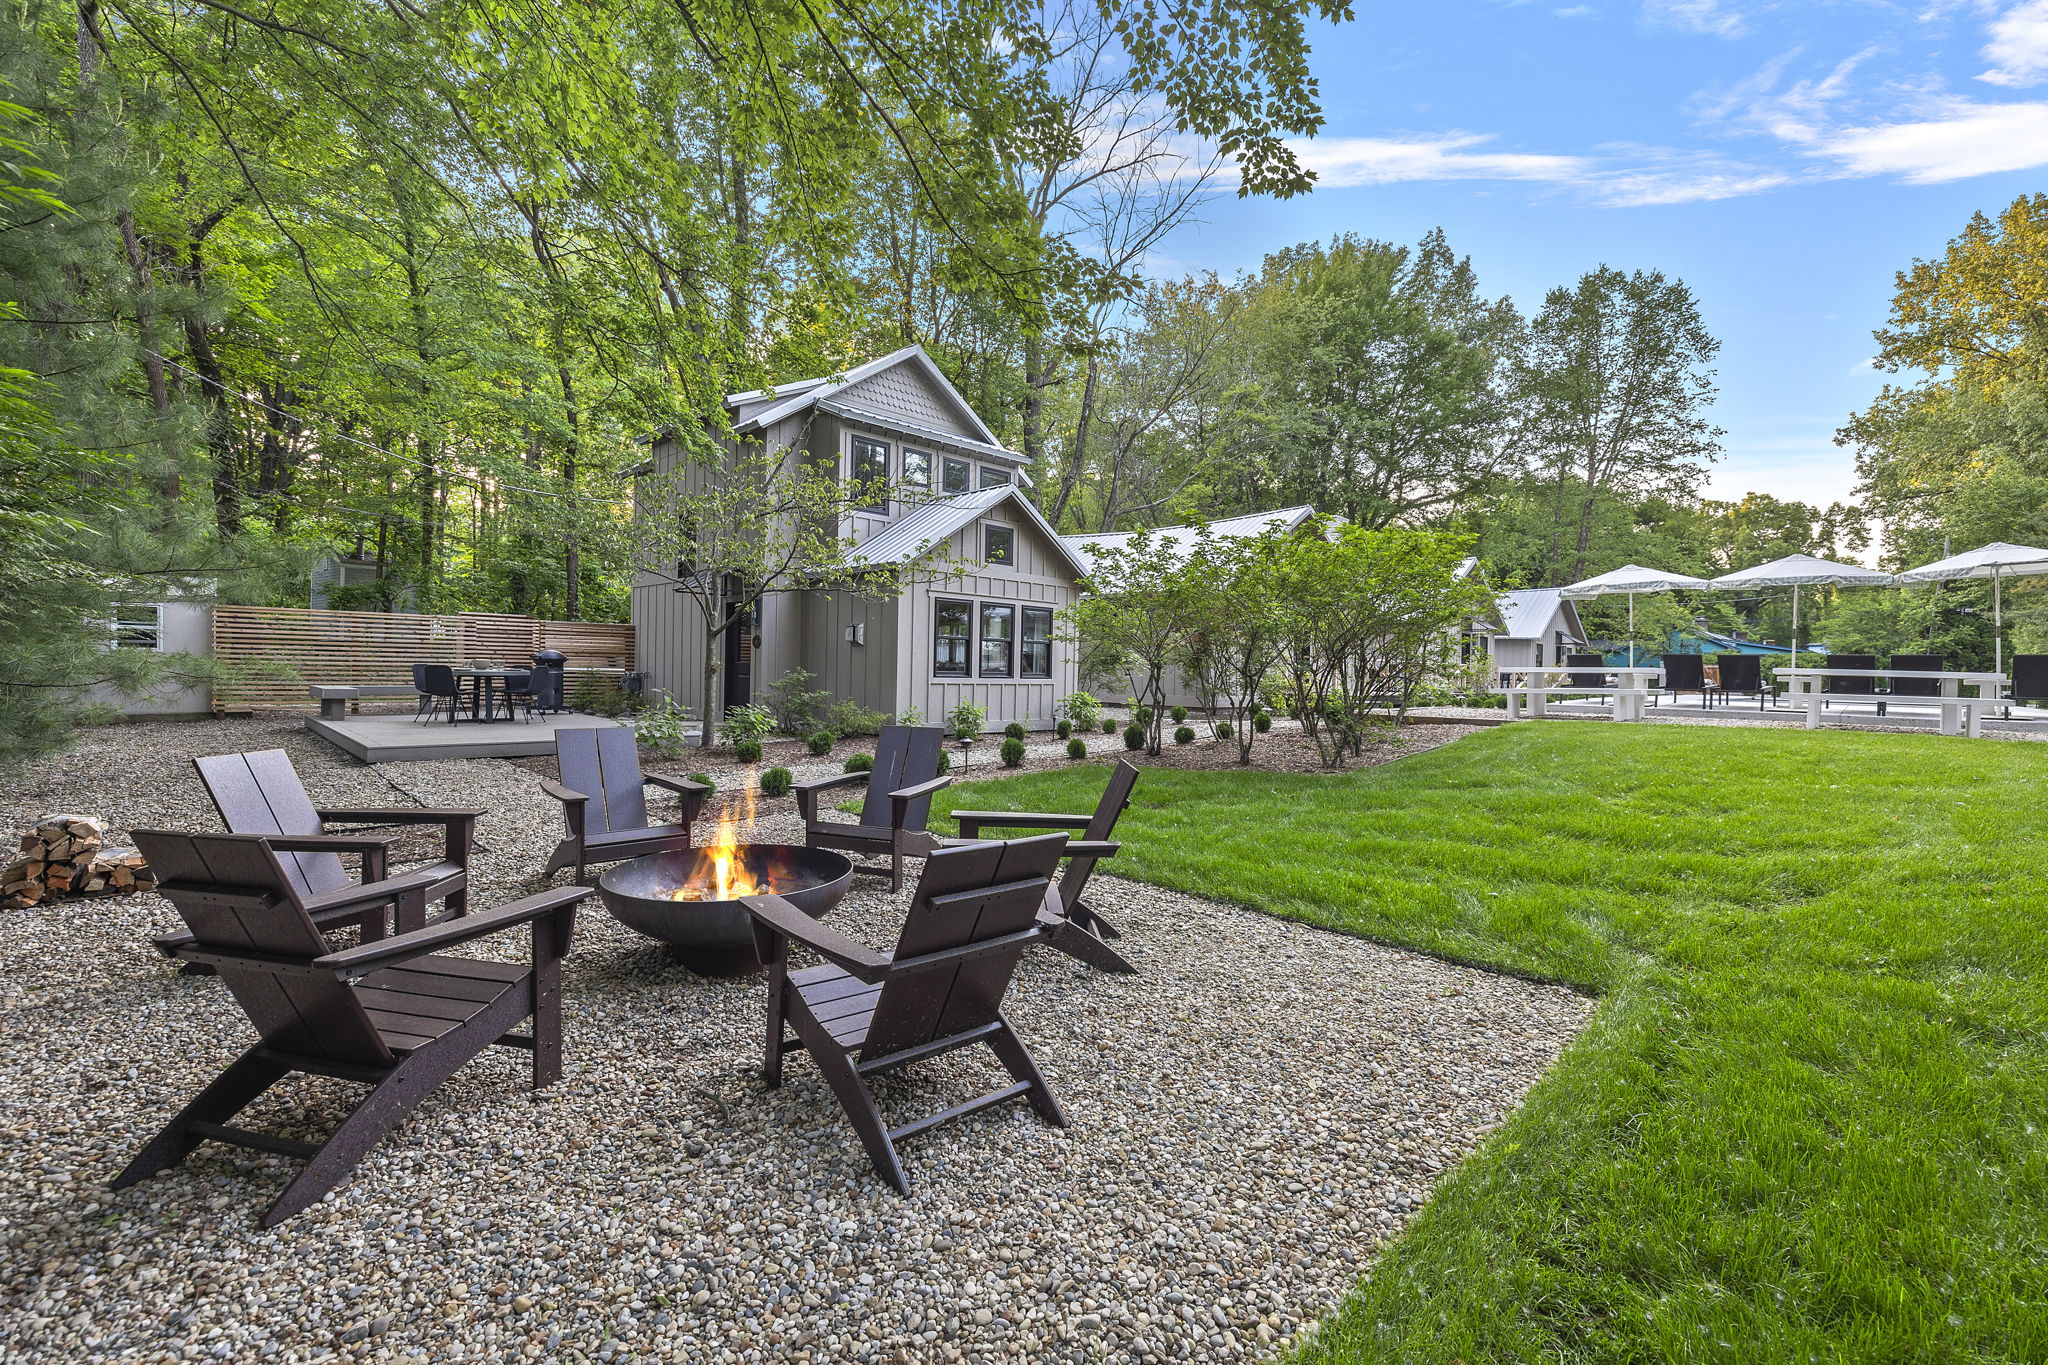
(691, 795)
(355, 962)
(407, 816)
(899, 800)
(368, 893)
(780, 917)
(807, 792)
(562, 793)
(331, 843)
(971, 821)
(1091, 848)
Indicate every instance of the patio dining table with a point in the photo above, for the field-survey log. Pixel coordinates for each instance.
(1530, 688)
(484, 690)
(1960, 715)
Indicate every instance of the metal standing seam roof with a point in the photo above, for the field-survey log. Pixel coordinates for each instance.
(1182, 538)
(927, 524)
(1526, 613)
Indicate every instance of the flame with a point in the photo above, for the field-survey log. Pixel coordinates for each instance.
(719, 873)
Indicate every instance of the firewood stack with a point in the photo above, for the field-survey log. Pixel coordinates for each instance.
(66, 855)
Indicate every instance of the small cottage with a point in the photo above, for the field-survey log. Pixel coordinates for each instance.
(1538, 627)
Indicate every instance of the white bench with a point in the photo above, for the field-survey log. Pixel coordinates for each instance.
(338, 699)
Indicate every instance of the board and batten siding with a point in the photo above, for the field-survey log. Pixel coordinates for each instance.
(864, 671)
(1040, 578)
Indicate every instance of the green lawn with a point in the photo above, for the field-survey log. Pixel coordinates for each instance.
(1810, 1120)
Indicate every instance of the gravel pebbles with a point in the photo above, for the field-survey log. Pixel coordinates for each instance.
(1253, 1117)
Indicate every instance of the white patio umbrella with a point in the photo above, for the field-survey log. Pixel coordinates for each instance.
(1631, 579)
(1997, 562)
(1803, 571)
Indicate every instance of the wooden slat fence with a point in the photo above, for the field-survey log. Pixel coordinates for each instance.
(275, 652)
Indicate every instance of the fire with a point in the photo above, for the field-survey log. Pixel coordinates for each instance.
(719, 873)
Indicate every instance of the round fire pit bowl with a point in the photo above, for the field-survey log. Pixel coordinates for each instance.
(716, 937)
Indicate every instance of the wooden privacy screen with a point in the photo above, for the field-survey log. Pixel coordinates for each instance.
(275, 652)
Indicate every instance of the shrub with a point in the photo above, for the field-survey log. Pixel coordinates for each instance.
(777, 782)
(913, 715)
(1080, 709)
(1063, 729)
(1013, 753)
(1184, 735)
(747, 751)
(821, 743)
(945, 763)
(1077, 748)
(865, 763)
(598, 694)
(1134, 736)
(1014, 730)
(743, 723)
(1262, 722)
(703, 781)
(1179, 714)
(1108, 725)
(849, 717)
(1143, 715)
(794, 706)
(965, 720)
(665, 728)
(1223, 730)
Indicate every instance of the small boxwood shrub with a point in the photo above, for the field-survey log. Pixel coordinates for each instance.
(1143, 715)
(747, 751)
(1184, 735)
(1223, 730)
(1262, 722)
(1077, 748)
(777, 782)
(863, 763)
(1063, 729)
(1134, 736)
(945, 763)
(1013, 753)
(1108, 725)
(821, 743)
(1179, 714)
(1014, 730)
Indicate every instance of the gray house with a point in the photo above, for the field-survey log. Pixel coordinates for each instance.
(985, 633)
(1538, 627)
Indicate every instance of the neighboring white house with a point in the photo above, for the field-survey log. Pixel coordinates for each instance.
(985, 634)
(168, 628)
(1538, 627)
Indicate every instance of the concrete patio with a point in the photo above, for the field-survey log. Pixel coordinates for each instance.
(396, 737)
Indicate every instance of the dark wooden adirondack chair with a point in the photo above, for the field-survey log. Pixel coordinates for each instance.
(604, 801)
(393, 1014)
(974, 913)
(897, 805)
(1073, 925)
(260, 793)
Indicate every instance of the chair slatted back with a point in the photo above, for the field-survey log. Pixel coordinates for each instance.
(260, 793)
(2029, 677)
(1684, 672)
(1116, 798)
(967, 895)
(905, 756)
(1741, 672)
(1851, 687)
(604, 764)
(1918, 663)
(1588, 666)
(236, 895)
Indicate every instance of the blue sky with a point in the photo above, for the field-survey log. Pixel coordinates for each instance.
(1785, 160)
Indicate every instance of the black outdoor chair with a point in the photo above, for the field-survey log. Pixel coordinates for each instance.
(1588, 672)
(438, 688)
(1743, 675)
(1917, 663)
(604, 801)
(1852, 687)
(519, 694)
(896, 804)
(1686, 673)
(2029, 677)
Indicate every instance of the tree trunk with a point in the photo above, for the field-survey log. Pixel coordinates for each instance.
(572, 556)
(1070, 477)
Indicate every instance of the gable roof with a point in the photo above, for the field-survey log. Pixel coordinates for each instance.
(929, 523)
(1526, 613)
(1182, 538)
(805, 393)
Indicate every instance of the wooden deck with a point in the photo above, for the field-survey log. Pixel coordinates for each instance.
(398, 738)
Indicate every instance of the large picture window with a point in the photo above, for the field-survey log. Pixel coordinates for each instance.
(952, 635)
(917, 467)
(999, 544)
(998, 639)
(871, 466)
(957, 473)
(1034, 659)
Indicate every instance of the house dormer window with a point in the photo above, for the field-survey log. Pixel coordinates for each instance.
(957, 472)
(871, 467)
(917, 468)
(991, 477)
(999, 544)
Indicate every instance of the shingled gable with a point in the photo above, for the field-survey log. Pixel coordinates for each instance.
(810, 393)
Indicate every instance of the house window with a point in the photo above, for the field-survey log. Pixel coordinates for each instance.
(956, 472)
(1035, 656)
(951, 633)
(871, 466)
(139, 627)
(991, 477)
(998, 635)
(917, 467)
(999, 544)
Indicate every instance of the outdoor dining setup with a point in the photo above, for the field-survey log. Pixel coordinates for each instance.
(1960, 699)
(482, 693)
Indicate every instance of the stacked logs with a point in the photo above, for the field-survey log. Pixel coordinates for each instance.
(66, 855)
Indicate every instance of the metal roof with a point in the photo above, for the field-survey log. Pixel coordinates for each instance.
(929, 523)
(1526, 613)
(1182, 538)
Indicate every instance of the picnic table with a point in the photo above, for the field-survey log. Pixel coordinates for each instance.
(1960, 715)
(1528, 688)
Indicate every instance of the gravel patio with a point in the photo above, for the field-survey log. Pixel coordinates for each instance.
(1253, 1115)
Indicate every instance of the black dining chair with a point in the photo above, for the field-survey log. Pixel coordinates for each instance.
(438, 688)
(1588, 671)
(1852, 687)
(1916, 663)
(1743, 675)
(519, 694)
(2029, 678)
(1686, 673)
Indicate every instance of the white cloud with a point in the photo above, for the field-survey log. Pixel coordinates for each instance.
(1340, 162)
(1648, 176)
(2018, 50)
(1710, 17)
(1960, 139)
(1575, 12)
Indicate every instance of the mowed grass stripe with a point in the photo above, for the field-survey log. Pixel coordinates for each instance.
(1810, 1120)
